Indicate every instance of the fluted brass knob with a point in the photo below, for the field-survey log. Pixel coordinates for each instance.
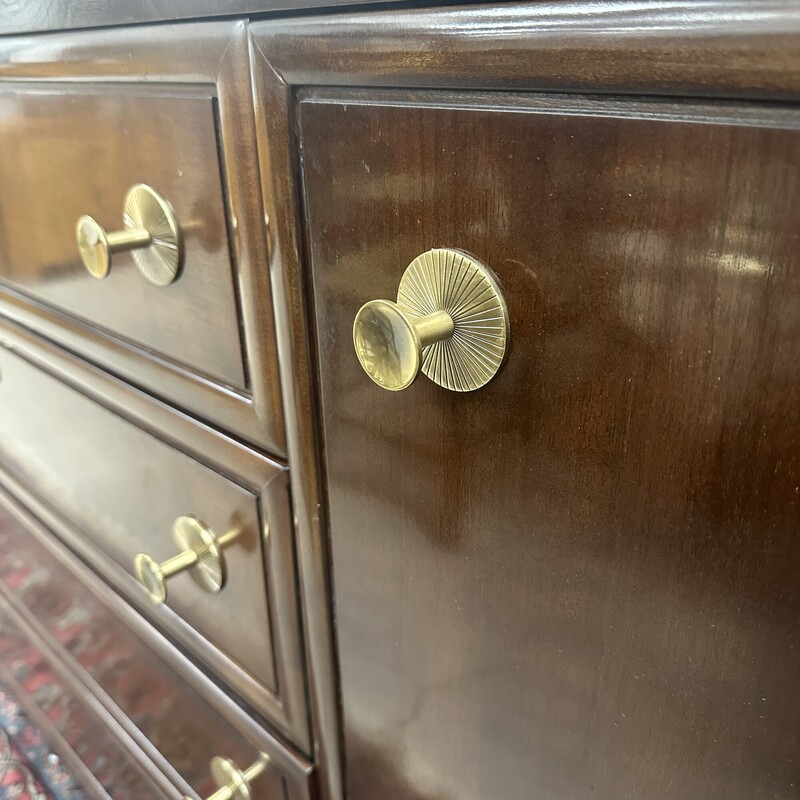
(450, 321)
(200, 553)
(234, 783)
(150, 232)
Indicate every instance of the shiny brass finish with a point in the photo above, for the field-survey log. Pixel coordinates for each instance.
(450, 321)
(234, 783)
(151, 234)
(200, 552)
(389, 342)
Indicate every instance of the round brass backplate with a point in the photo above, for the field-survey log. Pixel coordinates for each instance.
(146, 209)
(452, 281)
(189, 533)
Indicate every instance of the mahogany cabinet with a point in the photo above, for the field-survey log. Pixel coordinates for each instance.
(580, 580)
(402, 403)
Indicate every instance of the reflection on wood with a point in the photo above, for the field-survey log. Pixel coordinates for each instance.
(580, 581)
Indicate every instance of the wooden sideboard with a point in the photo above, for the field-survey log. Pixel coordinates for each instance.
(561, 561)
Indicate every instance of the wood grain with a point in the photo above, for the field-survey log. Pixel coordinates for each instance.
(711, 48)
(580, 581)
(110, 489)
(173, 108)
(30, 16)
(114, 680)
(58, 163)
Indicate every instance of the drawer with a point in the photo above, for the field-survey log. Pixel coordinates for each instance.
(70, 148)
(59, 164)
(118, 489)
(143, 721)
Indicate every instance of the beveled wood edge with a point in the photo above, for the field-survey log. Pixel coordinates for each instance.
(97, 55)
(235, 460)
(249, 235)
(292, 765)
(701, 48)
(83, 776)
(265, 479)
(27, 16)
(214, 54)
(272, 100)
(783, 116)
(268, 706)
(198, 396)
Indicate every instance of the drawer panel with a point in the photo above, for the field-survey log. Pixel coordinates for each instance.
(81, 650)
(66, 154)
(120, 489)
(87, 117)
(583, 576)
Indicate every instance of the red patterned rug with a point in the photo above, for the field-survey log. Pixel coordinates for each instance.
(29, 770)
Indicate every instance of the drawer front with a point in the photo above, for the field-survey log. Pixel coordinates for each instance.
(85, 119)
(66, 154)
(582, 577)
(79, 652)
(120, 490)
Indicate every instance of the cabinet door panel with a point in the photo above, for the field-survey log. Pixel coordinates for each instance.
(580, 581)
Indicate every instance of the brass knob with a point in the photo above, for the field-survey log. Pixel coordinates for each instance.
(450, 321)
(150, 232)
(234, 783)
(200, 552)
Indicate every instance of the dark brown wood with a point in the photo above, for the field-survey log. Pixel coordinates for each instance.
(161, 713)
(709, 48)
(174, 110)
(29, 16)
(113, 490)
(277, 153)
(580, 581)
(713, 49)
(68, 153)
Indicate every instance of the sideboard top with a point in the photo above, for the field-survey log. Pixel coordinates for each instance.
(31, 16)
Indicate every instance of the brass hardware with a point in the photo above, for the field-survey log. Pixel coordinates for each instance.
(200, 552)
(450, 320)
(234, 783)
(151, 234)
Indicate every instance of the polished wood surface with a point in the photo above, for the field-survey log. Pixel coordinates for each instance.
(274, 107)
(84, 116)
(148, 705)
(66, 154)
(580, 581)
(116, 490)
(28, 16)
(711, 48)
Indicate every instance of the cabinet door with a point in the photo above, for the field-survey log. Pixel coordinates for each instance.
(579, 582)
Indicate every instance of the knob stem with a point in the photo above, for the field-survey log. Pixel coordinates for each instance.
(234, 783)
(434, 327)
(178, 563)
(120, 241)
(200, 552)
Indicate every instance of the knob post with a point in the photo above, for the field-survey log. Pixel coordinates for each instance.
(178, 563)
(120, 241)
(433, 327)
